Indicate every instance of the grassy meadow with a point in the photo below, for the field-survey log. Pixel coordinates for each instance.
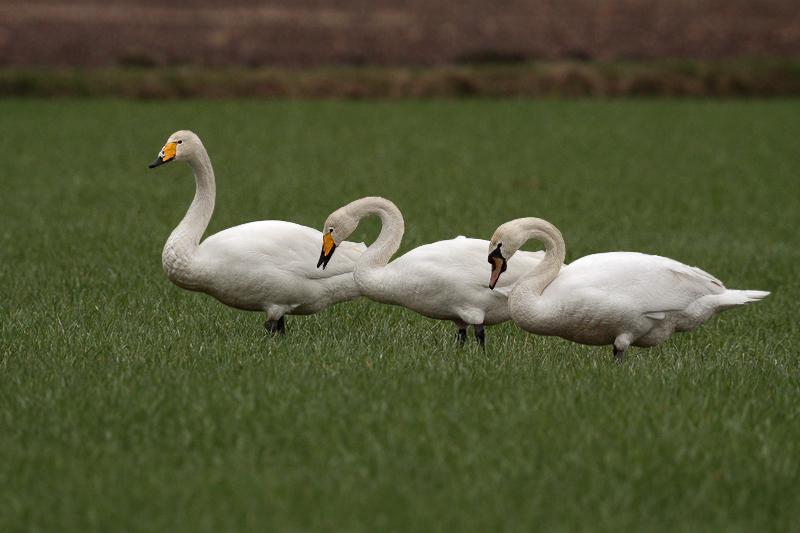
(127, 403)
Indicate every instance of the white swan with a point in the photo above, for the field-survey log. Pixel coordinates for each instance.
(261, 266)
(616, 298)
(441, 280)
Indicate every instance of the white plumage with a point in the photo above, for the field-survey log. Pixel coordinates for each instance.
(260, 266)
(444, 280)
(617, 298)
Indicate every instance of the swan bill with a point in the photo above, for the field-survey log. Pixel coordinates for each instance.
(328, 247)
(499, 265)
(166, 155)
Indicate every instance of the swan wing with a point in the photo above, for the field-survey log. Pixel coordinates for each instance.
(654, 284)
(464, 258)
(282, 245)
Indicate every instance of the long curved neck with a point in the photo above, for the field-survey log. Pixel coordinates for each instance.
(534, 282)
(392, 227)
(185, 238)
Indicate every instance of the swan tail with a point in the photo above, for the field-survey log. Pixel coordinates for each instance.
(735, 298)
(707, 306)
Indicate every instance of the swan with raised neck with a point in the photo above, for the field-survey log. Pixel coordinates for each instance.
(259, 266)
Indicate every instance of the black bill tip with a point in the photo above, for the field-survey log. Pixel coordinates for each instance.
(499, 265)
(323, 259)
(159, 161)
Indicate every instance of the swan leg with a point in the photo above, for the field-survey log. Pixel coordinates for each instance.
(480, 336)
(618, 354)
(276, 326)
(461, 332)
(621, 344)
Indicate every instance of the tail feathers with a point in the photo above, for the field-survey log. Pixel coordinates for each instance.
(754, 296)
(732, 298)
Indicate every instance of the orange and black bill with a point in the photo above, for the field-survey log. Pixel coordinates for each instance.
(166, 155)
(328, 247)
(499, 266)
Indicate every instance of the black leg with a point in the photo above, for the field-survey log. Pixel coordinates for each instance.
(480, 336)
(282, 325)
(461, 336)
(618, 354)
(621, 344)
(271, 326)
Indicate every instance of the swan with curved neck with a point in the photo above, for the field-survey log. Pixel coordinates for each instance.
(260, 266)
(615, 298)
(442, 280)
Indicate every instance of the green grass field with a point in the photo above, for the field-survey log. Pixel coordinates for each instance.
(127, 403)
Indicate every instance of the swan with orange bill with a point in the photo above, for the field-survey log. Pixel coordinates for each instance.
(264, 266)
(444, 280)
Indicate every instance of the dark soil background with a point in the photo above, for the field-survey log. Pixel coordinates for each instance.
(303, 33)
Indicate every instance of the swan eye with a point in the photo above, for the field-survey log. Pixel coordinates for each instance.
(179, 142)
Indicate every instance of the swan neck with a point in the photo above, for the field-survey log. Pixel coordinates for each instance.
(537, 280)
(185, 238)
(392, 228)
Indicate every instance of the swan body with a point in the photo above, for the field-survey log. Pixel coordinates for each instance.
(263, 266)
(615, 298)
(260, 266)
(441, 280)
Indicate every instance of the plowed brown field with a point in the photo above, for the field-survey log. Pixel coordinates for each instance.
(385, 32)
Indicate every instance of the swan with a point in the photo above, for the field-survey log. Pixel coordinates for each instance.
(614, 298)
(442, 280)
(259, 266)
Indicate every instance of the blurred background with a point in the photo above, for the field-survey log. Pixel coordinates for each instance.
(399, 48)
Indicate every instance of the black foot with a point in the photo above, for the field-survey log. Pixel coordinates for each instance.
(275, 327)
(480, 336)
(461, 336)
(618, 354)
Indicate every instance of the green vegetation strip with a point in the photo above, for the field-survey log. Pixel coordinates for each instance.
(579, 79)
(127, 403)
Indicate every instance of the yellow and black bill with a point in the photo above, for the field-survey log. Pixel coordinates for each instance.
(499, 265)
(328, 247)
(166, 155)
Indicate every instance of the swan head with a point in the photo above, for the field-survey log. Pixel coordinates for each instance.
(180, 146)
(339, 226)
(504, 244)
